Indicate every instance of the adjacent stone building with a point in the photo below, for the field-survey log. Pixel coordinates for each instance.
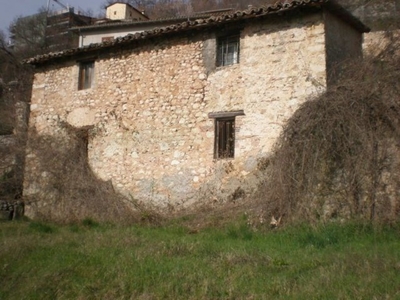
(187, 113)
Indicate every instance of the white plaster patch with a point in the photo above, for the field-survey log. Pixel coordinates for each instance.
(81, 117)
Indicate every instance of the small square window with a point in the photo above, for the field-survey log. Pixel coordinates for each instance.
(86, 71)
(224, 138)
(228, 50)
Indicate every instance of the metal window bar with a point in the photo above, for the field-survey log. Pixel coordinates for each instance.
(228, 50)
(86, 75)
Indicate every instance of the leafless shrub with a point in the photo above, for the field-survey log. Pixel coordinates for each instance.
(15, 91)
(72, 190)
(339, 155)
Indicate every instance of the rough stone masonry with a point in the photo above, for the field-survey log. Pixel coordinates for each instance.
(149, 116)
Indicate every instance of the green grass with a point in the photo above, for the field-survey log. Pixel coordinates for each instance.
(99, 261)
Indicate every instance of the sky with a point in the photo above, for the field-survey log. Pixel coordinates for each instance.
(10, 9)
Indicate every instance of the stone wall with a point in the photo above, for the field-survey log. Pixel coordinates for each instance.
(7, 157)
(13, 128)
(343, 43)
(146, 117)
(383, 17)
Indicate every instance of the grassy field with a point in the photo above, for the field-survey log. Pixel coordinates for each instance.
(100, 261)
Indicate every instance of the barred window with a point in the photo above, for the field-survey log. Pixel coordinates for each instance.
(86, 71)
(228, 50)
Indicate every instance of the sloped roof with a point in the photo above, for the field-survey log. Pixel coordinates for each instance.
(123, 23)
(119, 2)
(250, 13)
(127, 4)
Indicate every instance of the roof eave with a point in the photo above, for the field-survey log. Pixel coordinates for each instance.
(199, 24)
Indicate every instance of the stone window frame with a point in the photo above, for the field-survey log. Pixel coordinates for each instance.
(224, 133)
(228, 49)
(86, 74)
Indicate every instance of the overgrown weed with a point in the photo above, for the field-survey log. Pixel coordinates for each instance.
(338, 156)
(87, 222)
(71, 192)
(42, 227)
(354, 260)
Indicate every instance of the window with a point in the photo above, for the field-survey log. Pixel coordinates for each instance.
(228, 50)
(86, 70)
(224, 142)
(224, 138)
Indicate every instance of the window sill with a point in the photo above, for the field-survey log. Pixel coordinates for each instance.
(85, 90)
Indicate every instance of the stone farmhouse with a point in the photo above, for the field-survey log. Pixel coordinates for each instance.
(190, 112)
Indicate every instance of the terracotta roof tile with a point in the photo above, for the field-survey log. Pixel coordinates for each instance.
(126, 23)
(252, 12)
